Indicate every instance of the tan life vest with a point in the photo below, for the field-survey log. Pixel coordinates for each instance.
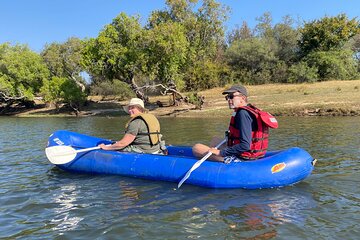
(152, 124)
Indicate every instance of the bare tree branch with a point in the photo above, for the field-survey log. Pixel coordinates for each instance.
(7, 97)
(165, 90)
(71, 75)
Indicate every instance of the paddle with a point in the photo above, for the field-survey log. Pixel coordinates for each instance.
(198, 163)
(64, 154)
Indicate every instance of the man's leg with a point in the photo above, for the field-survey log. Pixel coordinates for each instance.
(200, 150)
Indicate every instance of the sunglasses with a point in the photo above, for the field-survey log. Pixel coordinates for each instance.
(231, 96)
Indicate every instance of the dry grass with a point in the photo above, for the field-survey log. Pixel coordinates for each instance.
(321, 98)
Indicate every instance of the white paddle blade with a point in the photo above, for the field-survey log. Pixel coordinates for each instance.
(60, 154)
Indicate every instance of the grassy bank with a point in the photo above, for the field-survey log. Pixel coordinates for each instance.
(331, 98)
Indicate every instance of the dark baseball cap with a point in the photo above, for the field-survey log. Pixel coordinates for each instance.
(236, 88)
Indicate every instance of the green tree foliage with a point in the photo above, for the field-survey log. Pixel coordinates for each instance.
(279, 72)
(264, 28)
(265, 31)
(301, 73)
(354, 45)
(240, 33)
(115, 88)
(73, 95)
(335, 64)
(59, 90)
(64, 60)
(204, 75)
(328, 33)
(176, 11)
(183, 44)
(265, 56)
(166, 50)
(204, 31)
(22, 73)
(323, 46)
(207, 43)
(52, 91)
(286, 38)
(251, 59)
(210, 27)
(117, 52)
(282, 38)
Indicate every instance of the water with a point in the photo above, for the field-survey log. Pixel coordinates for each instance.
(39, 201)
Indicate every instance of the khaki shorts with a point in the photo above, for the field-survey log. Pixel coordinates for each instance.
(132, 148)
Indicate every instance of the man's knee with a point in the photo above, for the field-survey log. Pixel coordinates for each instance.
(197, 146)
(199, 149)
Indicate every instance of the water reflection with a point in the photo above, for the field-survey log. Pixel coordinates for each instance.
(260, 217)
(145, 206)
(63, 219)
(129, 195)
(42, 202)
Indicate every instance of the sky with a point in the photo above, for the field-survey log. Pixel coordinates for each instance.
(40, 22)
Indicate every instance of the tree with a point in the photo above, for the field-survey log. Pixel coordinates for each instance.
(117, 52)
(286, 38)
(354, 45)
(301, 73)
(176, 11)
(252, 60)
(116, 88)
(22, 73)
(328, 33)
(335, 64)
(203, 29)
(166, 50)
(59, 90)
(52, 91)
(240, 33)
(264, 27)
(64, 60)
(211, 17)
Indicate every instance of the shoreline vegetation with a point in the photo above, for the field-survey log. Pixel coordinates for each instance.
(330, 98)
(183, 47)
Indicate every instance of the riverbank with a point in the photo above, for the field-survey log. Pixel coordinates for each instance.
(331, 98)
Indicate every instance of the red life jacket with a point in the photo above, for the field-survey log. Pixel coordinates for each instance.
(259, 137)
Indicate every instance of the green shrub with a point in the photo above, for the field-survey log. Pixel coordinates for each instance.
(332, 65)
(206, 75)
(72, 94)
(52, 91)
(112, 88)
(62, 90)
(195, 99)
(301, 73)
(280, 72)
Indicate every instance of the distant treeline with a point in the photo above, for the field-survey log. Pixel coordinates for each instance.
(180, 48)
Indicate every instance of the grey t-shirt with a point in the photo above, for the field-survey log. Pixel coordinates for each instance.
(141, 141)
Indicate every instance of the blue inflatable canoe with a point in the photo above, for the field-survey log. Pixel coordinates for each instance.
(276, 169)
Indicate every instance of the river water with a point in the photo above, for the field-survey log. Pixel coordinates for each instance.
(39, 201)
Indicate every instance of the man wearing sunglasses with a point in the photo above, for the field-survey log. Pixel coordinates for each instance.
(246, 140)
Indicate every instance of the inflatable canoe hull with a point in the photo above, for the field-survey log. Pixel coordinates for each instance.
(276, 169)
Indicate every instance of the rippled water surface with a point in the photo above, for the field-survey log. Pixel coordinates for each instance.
(39, 201)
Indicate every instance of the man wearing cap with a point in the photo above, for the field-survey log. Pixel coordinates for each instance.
(142, 132)
(243, 138)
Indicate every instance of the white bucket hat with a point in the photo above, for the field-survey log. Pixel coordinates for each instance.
(134, 102)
